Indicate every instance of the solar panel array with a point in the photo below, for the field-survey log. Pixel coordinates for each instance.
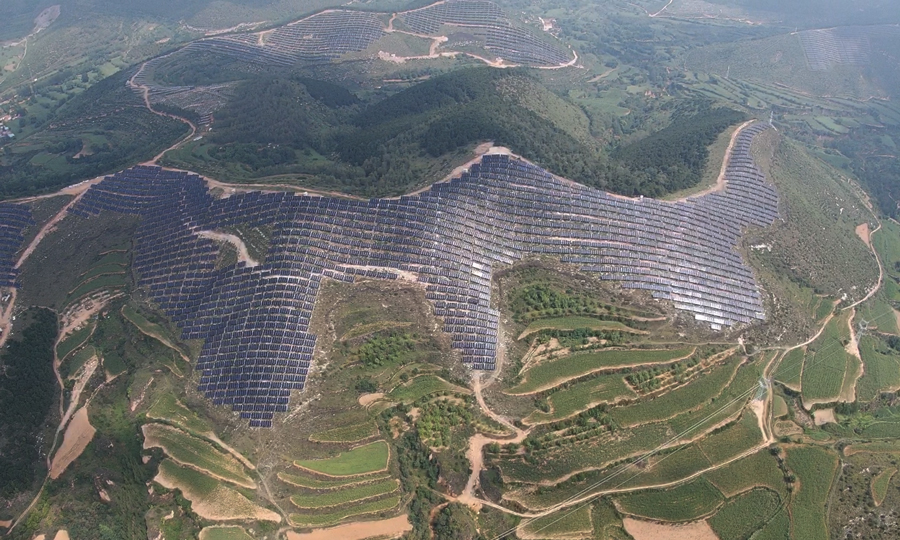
(828, 47)
(255, 320)
(316, 39)
(509, 42)
(14, 218)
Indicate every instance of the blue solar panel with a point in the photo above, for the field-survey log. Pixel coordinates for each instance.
(254, 320)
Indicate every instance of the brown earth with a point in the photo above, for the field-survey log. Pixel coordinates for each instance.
(824, 416)
(862, 231)
(78, 436)
(386, 528)
(367, 399)
(61, 534)
(222, 504)
(648, 530)
(231, 462)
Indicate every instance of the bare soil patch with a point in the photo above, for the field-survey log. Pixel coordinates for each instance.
(223, 504)
(862, 231)
(824, 416)
(78, 436)
(61, 534)
(648, 530)
(787, 428)
(386, 528)
(243, 254)
(758, 406)
(367, 399)
(76, 316)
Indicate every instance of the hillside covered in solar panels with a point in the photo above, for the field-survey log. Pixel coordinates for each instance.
(462, 269)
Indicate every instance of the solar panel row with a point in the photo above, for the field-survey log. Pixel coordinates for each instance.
(14, 218)
(255, 320)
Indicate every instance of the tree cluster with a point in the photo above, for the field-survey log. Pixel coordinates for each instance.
(27, 392)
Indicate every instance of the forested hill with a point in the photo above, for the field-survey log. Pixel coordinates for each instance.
(674, 157)
(278, 125)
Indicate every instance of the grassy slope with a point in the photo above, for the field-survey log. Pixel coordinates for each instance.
(815, 468)
(684, 503)
(361, 460)
(550, 374)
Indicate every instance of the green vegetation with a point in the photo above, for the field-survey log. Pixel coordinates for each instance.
(674, 157)
(108, 281)
(27, 393)
(575, 323)
(419, 387)
(346, 434)
(816, 245)
(114, 365)
(128, 134)
(815, 468)
(888, 447)
(757, 470)
(224, 533)
(687, 502)
(74, 340)
(225, 502)
(747, 513)
(314, 483)
(455, 522)
(196, 453)
(564, 523)
(82, 244)
(554, 462)
(649, 380)
(779, 407)
(384, 349)
(791, 367)
(684, 398)
(71, 366)
(153, 330)
(827, 364)
(554, 372)
(882, 367)
(438, 421)
(546, 300)
(364, 459)
(168, 409)
(582, 396)
(734, 439)
(880, 484)
(353, 495)
(332, 518)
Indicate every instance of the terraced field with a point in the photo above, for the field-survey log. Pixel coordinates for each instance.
(757, 470)
(679, 400)
(168, 409)
(196, 453)
(688, 502)
(815, 468)
(332, 518)
(569, 524)
(361, 460)
(553, 373)
(354, 495)
(745, 514)
(827, 365)
(346, 434)
(314, 483)
(880, 484)
(581, 396)
(210, 498)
